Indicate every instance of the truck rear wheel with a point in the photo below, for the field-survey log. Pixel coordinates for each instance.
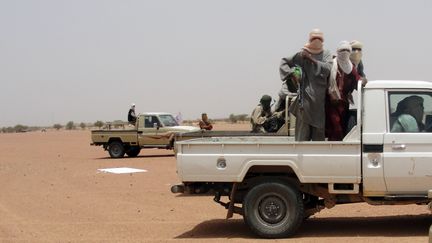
(273, 209)
(116, 149)
(133, 151)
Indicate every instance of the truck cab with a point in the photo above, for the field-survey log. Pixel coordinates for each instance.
(156, 128)
(396, 160)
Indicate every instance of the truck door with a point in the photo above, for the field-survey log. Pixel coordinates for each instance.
(407, 142)
(148, 134)
(154, 132)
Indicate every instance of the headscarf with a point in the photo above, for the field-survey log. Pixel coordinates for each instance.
(356, 55)
(343, 57)
(410, 106)
(265, 102)
(315, 44)
(342, 60)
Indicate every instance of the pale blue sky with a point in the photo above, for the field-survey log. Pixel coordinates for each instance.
(88, 60)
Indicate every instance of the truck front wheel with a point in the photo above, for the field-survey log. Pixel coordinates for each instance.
(273, 209)
(116, 149)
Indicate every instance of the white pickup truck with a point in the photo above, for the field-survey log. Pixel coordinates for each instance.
(276, 182)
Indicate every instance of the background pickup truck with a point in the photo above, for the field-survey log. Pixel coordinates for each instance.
(276, 182)
(152, 130)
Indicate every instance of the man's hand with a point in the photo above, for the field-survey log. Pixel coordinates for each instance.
(295, 78)
(278, 114)
(307, 55)
(364, 81)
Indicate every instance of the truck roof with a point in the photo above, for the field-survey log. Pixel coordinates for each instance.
(389, 84)
(155, 113)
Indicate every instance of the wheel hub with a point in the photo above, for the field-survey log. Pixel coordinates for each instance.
(272, 209)
(116, 150)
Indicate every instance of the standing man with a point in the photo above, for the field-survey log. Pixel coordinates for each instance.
(179, 118)
(356, 57)
(205, 124)
(131, 114)
(309, 108)
(343, 81)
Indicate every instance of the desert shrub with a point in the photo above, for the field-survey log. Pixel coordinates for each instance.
(20, 128)
(99, 124)
(235, 118)
(70, 125)
(82, 125)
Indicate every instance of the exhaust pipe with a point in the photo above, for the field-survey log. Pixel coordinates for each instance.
(178, 188)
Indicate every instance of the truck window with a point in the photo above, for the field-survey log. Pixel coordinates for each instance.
(410, 112)
(168, 120)
(150, 120)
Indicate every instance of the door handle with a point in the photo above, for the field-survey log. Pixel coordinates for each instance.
(399, 147)
(140, 132)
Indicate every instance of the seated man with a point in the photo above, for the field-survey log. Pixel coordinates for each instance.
(263, 119)
(131, 115)
(409, 115)
(205, 124)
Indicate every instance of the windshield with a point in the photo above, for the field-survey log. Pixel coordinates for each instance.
(168, 120)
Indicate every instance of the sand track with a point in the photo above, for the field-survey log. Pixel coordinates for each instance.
(51, 191)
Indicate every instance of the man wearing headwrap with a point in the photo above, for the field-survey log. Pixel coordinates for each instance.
(131, 115)
(408, 115)
(356, 57)
(261, 114)
(309, 108)
(343, 80)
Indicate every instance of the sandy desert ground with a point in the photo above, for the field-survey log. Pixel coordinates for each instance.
(51, 191)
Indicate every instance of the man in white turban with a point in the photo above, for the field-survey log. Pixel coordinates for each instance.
(356, 59)
(356, 56)
(343, 80)
(131, 114)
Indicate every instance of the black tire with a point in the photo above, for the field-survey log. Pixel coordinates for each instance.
(133, 151)
(116, 149)
(273, 209)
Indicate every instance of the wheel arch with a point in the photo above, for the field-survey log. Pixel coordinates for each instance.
(114, 139)
(271, 168)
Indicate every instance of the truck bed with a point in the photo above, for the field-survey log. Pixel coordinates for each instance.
(206, 134)
(102, 136)
(313, 162)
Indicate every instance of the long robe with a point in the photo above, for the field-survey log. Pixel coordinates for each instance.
(313, 85)
(337, 110)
